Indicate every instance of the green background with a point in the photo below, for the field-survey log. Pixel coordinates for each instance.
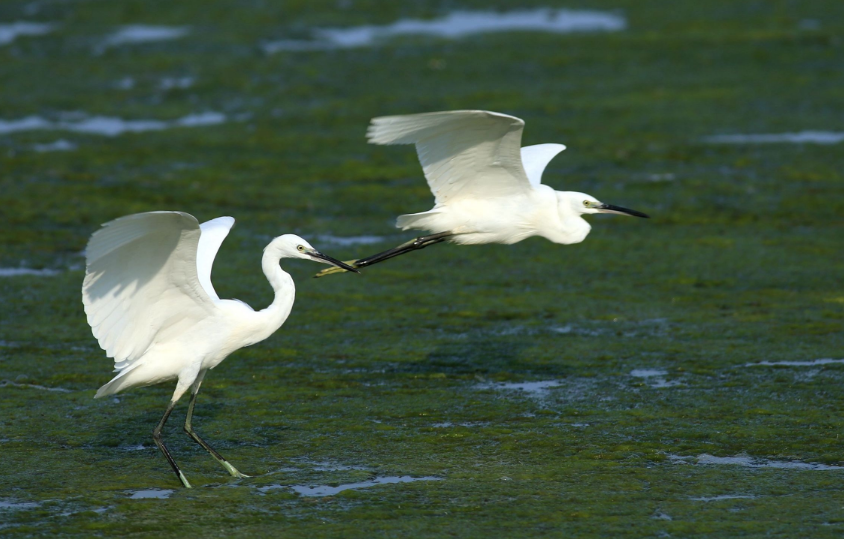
(398, 371)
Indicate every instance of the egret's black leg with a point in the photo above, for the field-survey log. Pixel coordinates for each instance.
(188, 429)
(156, 437)
(412, 245)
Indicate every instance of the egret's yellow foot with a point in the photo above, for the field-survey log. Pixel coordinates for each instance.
(335, 269)
(232, 470)
(184, 480)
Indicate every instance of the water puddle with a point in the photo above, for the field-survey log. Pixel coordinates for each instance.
(812, 363)
(10, 32)
(468, 424)
(17, 506)
(6, 383)
(569, 329)
(750, 462)
(325, 490)
(458, 24)
(151, 494)
(802, 137)
(654, 377)
(723, 497)
(142, 33)
(331, 466)
(345, 241)
(170, 83)
(139, 447)
(106, 125)
(60, 145)
(647, 373)
(16, 272)
(531, 389)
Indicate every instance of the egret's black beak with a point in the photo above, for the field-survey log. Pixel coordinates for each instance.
(609, 208)
(333, 261)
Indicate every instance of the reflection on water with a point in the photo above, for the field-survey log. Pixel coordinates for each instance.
(655, 377)
(750, 462)
(10, 32)
(5, 383)
(538, 389)
(60, 145)
(154, 493)
(15, 506)
(722, 497)
(802, 137)
(812, 363)
(142, 33)
(16, 272)
(458, 24)
(106, 125)
(325, 490)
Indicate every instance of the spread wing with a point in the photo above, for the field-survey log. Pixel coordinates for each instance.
(536, 158)
(464, 153)
(141, 277)
(213, 234)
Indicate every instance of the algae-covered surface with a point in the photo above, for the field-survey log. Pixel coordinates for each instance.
(679, 376)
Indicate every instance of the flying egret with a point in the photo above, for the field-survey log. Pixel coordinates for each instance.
(486, 189)
(150, 303)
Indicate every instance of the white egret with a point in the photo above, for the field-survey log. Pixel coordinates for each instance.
(150, 303)
(486, 189)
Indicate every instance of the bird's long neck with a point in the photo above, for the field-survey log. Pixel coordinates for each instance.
(568, 226)
(285, 292)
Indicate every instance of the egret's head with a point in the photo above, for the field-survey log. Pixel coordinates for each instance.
(292, 246)
(570, 202)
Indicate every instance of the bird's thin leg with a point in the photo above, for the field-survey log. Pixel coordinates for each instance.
(156, 437)
(188, 429)
(412, 245)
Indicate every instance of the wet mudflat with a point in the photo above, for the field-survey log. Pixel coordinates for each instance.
(680, 376)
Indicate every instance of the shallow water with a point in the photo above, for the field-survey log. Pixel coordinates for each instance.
(395, 371)
(723, 497)
(5, 383)
(459, 24)
(108, 126)
(802, 137)
(325, 490)
(142, 33)
(11, 31)
(811, 363)
(151, 494)
(60, 145)
(535, 389)
(16, 272)
(751, 462)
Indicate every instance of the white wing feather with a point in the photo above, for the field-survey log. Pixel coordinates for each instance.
(536, 158)
(213, 234)
(141, 277)
(464, 153)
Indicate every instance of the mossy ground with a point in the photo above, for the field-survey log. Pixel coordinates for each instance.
(392, 371)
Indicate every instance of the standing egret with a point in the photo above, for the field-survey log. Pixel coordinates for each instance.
(486, 189)
(149, 301)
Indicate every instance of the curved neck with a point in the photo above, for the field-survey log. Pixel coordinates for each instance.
(570, 226)
(285, 290)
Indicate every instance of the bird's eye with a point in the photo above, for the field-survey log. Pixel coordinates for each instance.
(301, 248)
(586, 203)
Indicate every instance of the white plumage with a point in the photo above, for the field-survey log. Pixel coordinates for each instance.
(486, 188)
(150, 303)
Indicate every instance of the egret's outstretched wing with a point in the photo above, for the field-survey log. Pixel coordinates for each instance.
(141, 278)
(213, 234)
(464, 153)
(535, 158)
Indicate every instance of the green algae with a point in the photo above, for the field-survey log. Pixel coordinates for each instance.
(399, 371)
